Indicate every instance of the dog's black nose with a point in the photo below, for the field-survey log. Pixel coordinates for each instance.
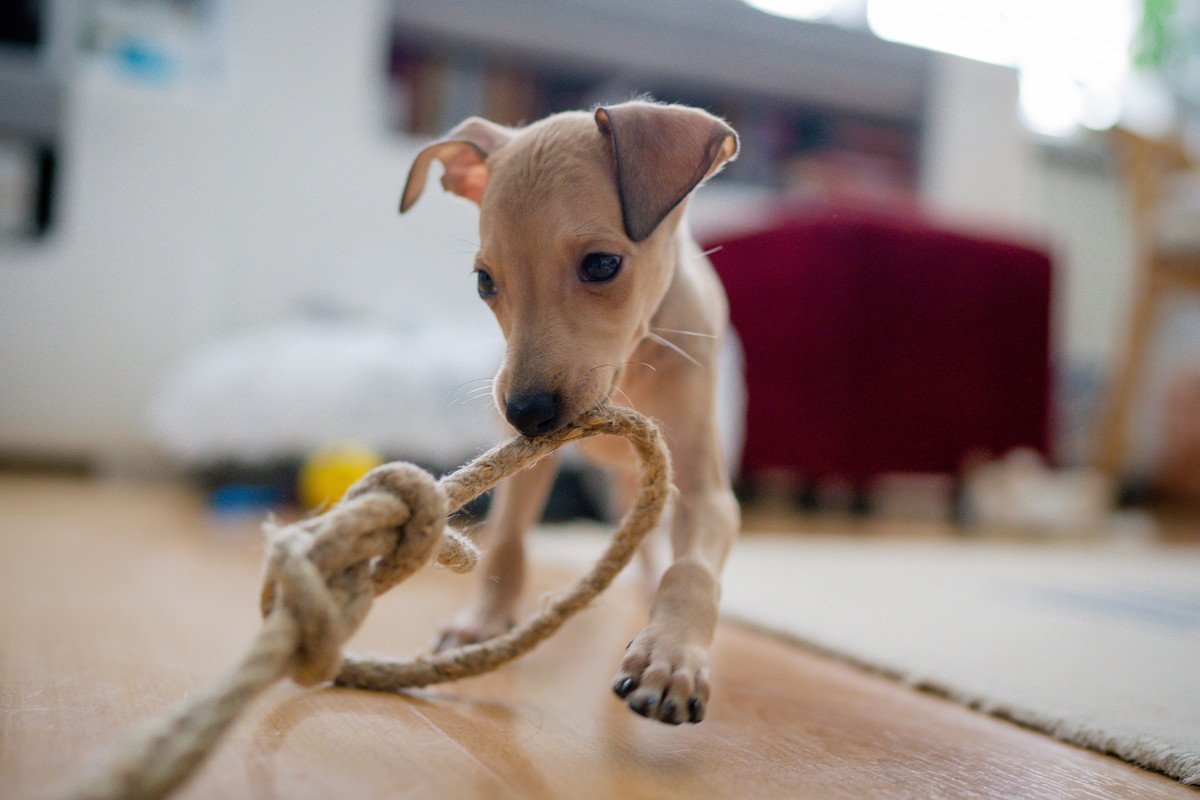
(533, 414)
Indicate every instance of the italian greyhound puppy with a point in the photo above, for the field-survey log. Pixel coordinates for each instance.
(599, 289)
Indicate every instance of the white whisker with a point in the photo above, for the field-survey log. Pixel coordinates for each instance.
(468, 400)
(473, 380)
(628, 399)
(473, 394)
(615, 367)
(708, 252)
(475, 391)
(686, 333)
(668, 343)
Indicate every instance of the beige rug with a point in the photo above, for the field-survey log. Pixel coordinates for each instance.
(1098, 645)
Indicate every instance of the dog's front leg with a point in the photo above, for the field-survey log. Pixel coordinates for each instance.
(664, 674)
(518, 505)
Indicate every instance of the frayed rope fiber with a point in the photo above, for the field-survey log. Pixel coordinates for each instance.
(322, 574)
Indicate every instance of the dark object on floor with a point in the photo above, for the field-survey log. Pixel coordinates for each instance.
(235, 487)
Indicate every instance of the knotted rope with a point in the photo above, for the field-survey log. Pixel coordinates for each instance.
(322, 574)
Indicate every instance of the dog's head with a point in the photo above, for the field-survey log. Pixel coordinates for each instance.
(578, 214)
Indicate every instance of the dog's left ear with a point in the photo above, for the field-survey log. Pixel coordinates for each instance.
(661, 154)
(463, 152)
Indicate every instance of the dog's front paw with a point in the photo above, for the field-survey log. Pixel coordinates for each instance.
(471, 627)
(664, 679)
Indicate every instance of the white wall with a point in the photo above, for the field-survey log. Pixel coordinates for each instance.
(189, 214)
(976, 164)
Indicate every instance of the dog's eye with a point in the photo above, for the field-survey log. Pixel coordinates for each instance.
(484, 284)
(600, 267)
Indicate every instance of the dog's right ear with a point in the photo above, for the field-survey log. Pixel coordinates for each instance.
(463, 152)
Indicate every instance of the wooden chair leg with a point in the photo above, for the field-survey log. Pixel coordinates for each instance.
(1114, 442)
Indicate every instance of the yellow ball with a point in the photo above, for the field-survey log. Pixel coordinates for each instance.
(329, 471)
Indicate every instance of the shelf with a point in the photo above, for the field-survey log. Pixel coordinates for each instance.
(792, 132)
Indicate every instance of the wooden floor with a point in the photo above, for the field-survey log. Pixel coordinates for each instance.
(116, 600)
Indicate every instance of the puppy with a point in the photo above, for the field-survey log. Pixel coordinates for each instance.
(601, 292)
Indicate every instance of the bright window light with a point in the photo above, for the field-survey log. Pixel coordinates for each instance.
(978, 29)
(798, 9)
(1051, 103)
(1073, 55)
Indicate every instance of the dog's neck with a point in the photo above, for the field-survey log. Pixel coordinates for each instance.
(679, 305)
(687, 305)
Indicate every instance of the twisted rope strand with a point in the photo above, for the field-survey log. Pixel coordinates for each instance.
(322, 574)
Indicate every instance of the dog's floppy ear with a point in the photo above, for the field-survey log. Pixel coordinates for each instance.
(463, 152)
(661, 153)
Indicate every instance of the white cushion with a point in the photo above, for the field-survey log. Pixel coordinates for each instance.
(414, 391)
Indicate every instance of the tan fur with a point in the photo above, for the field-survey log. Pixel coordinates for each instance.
(610, 182)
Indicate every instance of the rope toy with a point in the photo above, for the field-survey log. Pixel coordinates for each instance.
(322, 574)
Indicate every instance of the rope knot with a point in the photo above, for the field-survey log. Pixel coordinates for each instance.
(325, 571)
(456, 551)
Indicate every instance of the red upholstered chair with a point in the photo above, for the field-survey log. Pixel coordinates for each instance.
(879, 344)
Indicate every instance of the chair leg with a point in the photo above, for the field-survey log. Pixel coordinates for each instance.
(1114, 442)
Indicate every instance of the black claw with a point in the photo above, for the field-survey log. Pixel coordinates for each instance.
(644, 705)
(694, 710)
(667, 714)
(629, 645)
(624, 687)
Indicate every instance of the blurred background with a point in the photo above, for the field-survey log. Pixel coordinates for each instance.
(961, 242)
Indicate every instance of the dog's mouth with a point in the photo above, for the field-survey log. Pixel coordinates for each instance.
(591, 396)
(543, 411)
